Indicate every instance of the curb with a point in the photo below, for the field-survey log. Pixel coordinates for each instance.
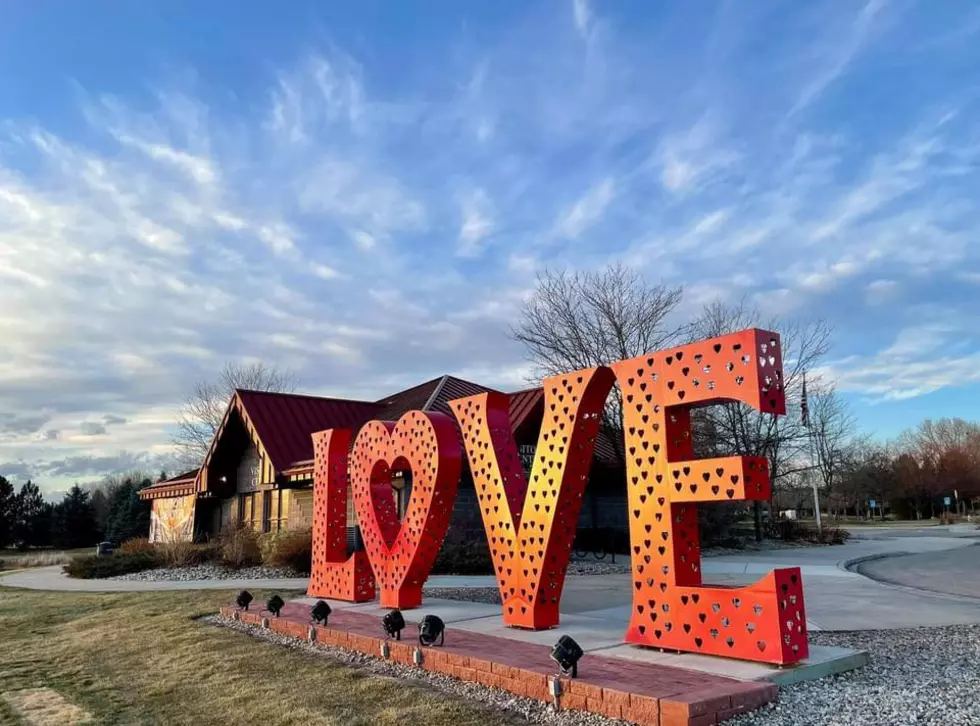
(852, 564)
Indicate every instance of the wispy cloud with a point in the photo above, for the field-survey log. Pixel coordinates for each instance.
(476, 222)
(833, 62)
(372, 229)
(586, 211)
(582, 15)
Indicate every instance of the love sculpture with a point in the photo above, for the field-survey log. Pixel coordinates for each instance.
(530, 523)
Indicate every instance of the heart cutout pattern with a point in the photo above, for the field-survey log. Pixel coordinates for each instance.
(402, 553)
(530, 523)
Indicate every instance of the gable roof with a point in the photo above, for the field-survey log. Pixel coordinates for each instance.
(281, 424)
(285, 422)
(523, 404)
(433, 395)
(175, 486)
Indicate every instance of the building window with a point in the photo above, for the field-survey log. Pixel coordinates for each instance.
(266, 511)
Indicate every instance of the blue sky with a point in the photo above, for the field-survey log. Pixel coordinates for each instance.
(363, 192)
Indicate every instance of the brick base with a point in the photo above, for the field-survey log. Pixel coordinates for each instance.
(644, 693)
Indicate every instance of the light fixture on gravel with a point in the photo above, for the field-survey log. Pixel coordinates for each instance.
(431, 628)
(275, 605)
(393, 623)
(566, 654)
(320, 612)
(243, 599)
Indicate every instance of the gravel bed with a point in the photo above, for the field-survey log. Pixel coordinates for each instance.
(915, 677)
(527, 709)
(588, 566)
(489, 595)
(208, 572)
(919, 676)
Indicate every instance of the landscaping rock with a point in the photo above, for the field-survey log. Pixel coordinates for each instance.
(208, 572)
(531, 710)
(919, 676)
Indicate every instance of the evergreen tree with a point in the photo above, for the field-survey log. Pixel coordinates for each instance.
(29, 527)
(74, 520)
(101, 499)
(129, 516)
(8, 512)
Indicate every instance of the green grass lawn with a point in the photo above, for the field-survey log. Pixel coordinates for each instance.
(142, 659)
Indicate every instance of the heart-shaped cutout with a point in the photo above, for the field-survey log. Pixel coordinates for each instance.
(402, 552)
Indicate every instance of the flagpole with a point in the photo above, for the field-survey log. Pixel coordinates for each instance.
(805, 416)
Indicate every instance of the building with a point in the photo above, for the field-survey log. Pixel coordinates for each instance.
(259, 468)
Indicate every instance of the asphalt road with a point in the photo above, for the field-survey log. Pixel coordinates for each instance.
(954, 572)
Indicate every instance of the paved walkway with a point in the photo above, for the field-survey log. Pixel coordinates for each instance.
(836, 597)
(52, 578)
(948, 571)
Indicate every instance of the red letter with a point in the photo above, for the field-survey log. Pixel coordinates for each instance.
(334, 575)
(530, 530)
(402, 553)
(761, 622)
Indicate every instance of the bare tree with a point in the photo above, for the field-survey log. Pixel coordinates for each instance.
(584, 319)
(736, 428)
(578, 320)
(831, 432)
(201, 414)
(947, 458)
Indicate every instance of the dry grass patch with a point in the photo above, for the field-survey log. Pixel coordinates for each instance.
(45, 707)
(141, 658)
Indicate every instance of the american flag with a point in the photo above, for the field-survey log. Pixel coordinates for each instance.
(804, 411)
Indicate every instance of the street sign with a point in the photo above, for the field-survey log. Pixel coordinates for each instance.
(947, 501)
(872, 504)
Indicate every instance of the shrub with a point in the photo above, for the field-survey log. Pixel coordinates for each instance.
(136, 544)
(833, 536)
(292, 548)
(791, 530)
(464, 557)
(239, 546)
(180, 553)
(91, 566)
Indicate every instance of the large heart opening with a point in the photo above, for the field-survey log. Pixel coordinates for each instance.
(403, 531)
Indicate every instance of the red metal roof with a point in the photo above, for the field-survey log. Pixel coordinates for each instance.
(523, 404)
(284, 422)
(433, 395)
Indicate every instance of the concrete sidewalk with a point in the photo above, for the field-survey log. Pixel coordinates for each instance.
(52, 578)
(836, 598)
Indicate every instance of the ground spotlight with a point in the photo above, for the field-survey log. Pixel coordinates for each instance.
(431, 628)
(243, 599)
(275, 605)
(320, 612)
(393, 623)
(566, 654)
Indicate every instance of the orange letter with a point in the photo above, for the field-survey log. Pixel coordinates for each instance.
(530, 530)
(334, 575)
(761, 622)
(402, 553)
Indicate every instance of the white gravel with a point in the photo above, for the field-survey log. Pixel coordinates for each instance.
(526, 709)
(916, 677)
(587, 566)
(208, 572)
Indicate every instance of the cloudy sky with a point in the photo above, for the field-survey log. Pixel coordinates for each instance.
(364, 191)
